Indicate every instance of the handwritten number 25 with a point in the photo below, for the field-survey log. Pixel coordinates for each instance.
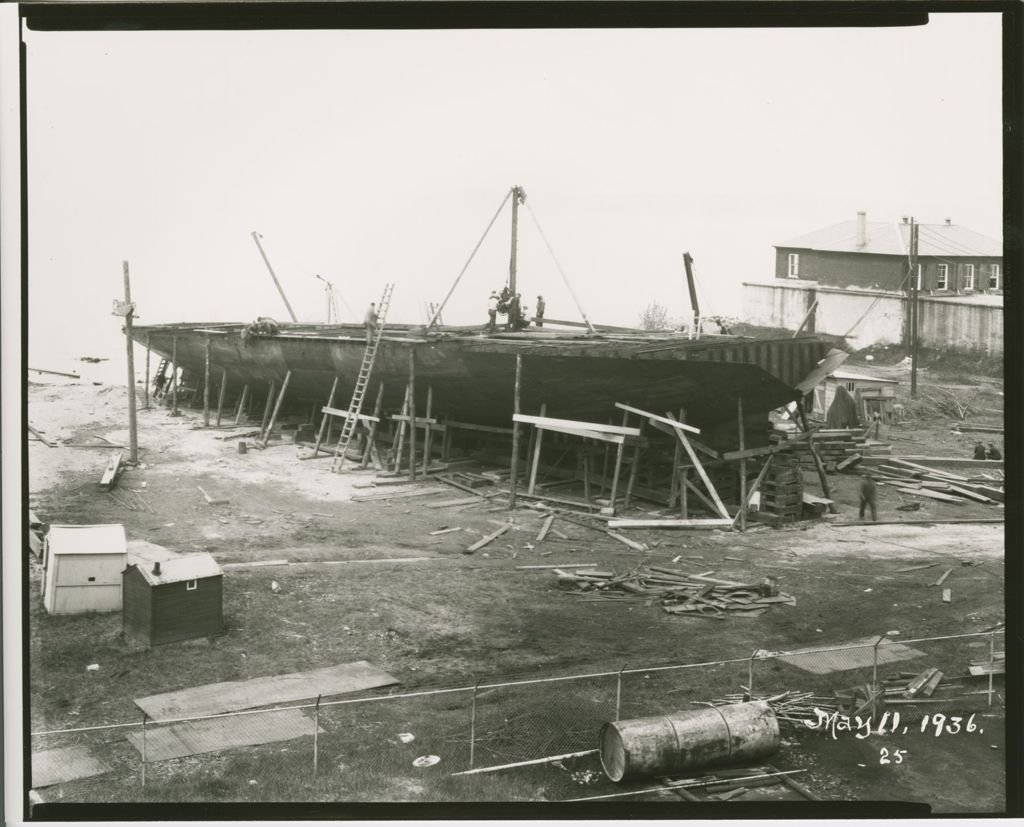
(897, 756)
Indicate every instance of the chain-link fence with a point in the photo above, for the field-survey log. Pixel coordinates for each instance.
(420, 745)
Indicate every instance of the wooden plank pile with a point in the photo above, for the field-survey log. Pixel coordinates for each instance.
(932, 483)
(782, 491)
(834, 445)
(983, 666)
(790, 707)
(696, 595)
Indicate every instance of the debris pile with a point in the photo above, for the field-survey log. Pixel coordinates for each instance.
(688, 594)
(790, 707)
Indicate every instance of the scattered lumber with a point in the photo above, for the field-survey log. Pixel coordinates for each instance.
(444, 531)
(916, 568)
(711, 523)
(559, 566)
(942, 579)
(109, 478)
(545, 528)
(494, 535)
(626, 541)
(420, 492)
(933, 495)
(211, 500)
(947, 595)
(41, 438)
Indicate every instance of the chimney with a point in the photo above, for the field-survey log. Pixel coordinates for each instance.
(862, 228)
(906, 219)
(156, 568)
(949, 222)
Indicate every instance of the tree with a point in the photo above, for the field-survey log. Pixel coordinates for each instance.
(654, 317)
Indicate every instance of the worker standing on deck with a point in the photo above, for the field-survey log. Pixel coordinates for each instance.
(515, 312)
(492, 312)
(979, 451)
(992, 452)
(868, 497)
(538, 317)
(371, 323)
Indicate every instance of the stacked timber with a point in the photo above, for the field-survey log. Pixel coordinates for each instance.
(934, 484)
(695, 595)
(834, 445)
(782, 490)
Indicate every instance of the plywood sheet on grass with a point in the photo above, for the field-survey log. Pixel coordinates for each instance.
(233, 696)
(216, 734)
(824, 661)
(55, 766)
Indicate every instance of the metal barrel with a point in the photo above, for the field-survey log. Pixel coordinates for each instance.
(688, 740)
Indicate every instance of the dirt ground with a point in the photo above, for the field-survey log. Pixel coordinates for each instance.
(435, 616)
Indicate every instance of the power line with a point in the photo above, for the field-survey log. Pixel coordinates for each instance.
(954, 244)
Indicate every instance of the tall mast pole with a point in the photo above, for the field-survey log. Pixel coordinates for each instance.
(518, 196)
(256, 238)
(914, 309)
(129, 311)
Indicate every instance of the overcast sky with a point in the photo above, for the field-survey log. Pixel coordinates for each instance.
(369, 157)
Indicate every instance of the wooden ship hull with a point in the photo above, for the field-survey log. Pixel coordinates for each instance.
(470, 375)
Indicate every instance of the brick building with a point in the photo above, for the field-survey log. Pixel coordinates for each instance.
(862, 254)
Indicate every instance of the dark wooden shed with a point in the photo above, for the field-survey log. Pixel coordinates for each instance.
(174, 599)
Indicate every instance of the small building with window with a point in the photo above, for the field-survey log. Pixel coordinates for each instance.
(82, 567)
(173, 597)
(871, 395)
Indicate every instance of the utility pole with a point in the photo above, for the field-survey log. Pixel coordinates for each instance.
(256, 238)
(518, 197)
(914, 310)
(126, 309)
(688, 263)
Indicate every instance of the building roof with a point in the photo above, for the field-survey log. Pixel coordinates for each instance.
(181, 567)
(86, 539)
(890, 238)
(142, 552)
(846, 376)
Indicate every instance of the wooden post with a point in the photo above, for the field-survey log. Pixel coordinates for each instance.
(513, 481)
(586, 476)
(412, 413)
(174, 377)
(372, 434)
(277, 408)
(677, 457)
(220, 396)
(324, 421)
(266, 408)
(538, 436)
(822, 476)
(206, 386)
(427, 436)
(684, 495)
(144, 716)
(403, 424)
(241, 403)
(146, 387)
(743, 468)
(633, 471)
(133, 435)
(446, 442)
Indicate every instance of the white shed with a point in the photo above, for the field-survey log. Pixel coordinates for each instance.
(82, 567)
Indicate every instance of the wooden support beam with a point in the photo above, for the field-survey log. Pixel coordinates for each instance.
(241, 403)
(327, 409)
(425, 422)
(689, 486)
(712, 523)
(267, 407)
(412, 414)
(670, 422)
(755, 486)
(574, 424)
(323, 422)
(430, 423)
(146, 386)
(174, 377)
(220, 395)
(479, 544)
(109, 478)
(470, 426)
(514, 478)
(719, 506)
(277, 408)
(750, 453)
(615, 477)
(822, 476)
(544, 529)
(743, 466)
(633, 472)
(206, 384)
(403, 426)
(371, 436)
(538, 435)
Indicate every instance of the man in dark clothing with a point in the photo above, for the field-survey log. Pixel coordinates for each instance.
(514, 312)
(868, 497)
(992, 452)
(538, 317)
(370, 322)
(979, 451)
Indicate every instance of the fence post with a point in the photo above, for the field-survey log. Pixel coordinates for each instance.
(144, 716)
(750, 675)
(316, 735)
(472, 725)
(618, 694)
(874, 676)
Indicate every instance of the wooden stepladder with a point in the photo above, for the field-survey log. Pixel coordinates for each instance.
(355, 406)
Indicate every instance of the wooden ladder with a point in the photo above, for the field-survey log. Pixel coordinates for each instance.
(355, 406)
(160, 380)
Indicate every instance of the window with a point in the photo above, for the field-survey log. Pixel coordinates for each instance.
(794, 266)
(191, 585)
(850, 386)
(994, 278)
(941, 277)
(968, 277)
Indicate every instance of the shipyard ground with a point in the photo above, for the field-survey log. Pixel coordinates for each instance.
(439, 617)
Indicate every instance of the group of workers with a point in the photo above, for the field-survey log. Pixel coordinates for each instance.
(511, 304)
(990, 452)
